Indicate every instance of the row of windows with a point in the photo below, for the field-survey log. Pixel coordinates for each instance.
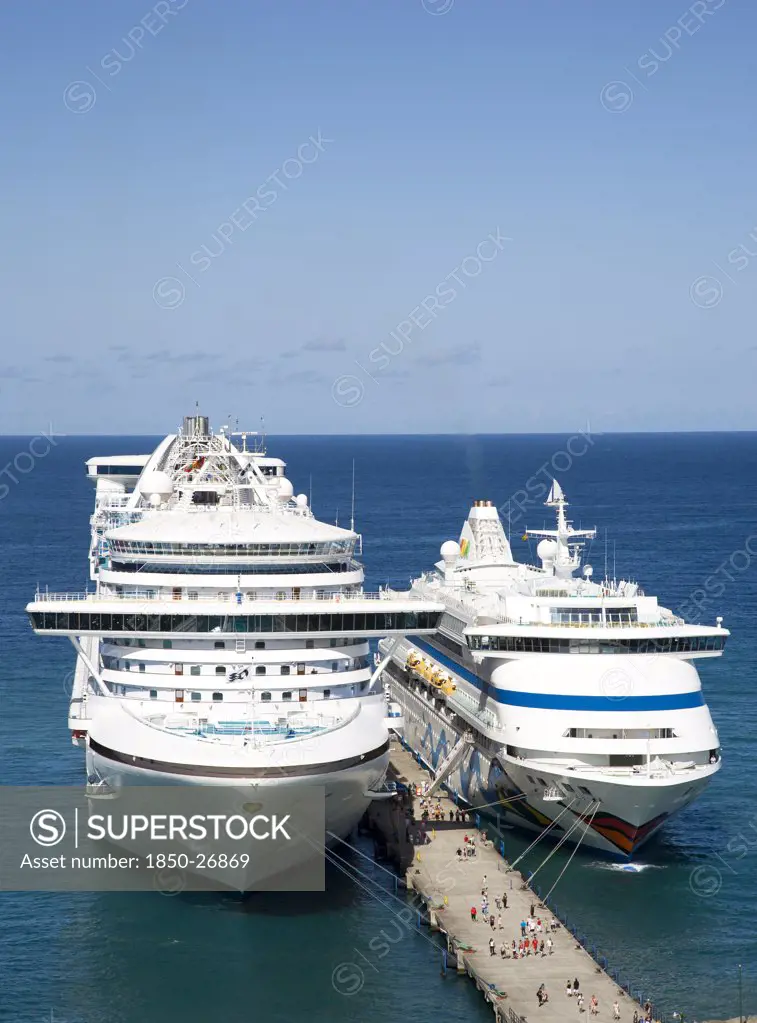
(540, 645)
(258, 644)
(218, 697)
(244, 569)
(246, 643)
(118, 470)
(278, 550)
(592, 616)
(115, 664)
(372, 621)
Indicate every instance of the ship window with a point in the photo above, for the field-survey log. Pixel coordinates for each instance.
(565, 785)
(260, 669)
(195, 669)
(167, 644)
(196, 696)
(326, 694)
(334, 665)
(309, 644)
(265, 696)
(218, 697)
(286, 696)
(141, 667)
(219, 645)
(285, 669)
(141, 642)
(260, 644)
(582, 788)
(153, 694)
(220, 670)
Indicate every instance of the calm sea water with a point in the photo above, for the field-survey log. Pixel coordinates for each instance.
(677, 508)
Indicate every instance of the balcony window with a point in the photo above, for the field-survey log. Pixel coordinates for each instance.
(219, 645)
(260, 669)
(220, 670)
(265, 696)
(217, 697)
(285, 669)
(195, 669)
(153, 694)
(196, 696)
(260, 644)
(286, 696)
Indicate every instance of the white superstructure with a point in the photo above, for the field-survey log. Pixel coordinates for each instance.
(226, 640)
(549, 697)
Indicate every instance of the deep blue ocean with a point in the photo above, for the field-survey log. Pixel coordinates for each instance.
(677, 509)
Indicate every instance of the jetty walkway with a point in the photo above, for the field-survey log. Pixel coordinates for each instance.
(451, 886)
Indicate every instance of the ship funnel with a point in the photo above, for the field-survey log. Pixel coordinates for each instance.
(196, 427)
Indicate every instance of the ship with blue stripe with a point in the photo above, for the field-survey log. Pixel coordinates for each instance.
(551, 700)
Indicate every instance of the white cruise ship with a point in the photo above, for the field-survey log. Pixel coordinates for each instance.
(226, 640)
(551, 700)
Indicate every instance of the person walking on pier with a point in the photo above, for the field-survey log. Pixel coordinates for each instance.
(550, 945)
(492, 948)
(523, 928)
(580, 1001)
(473, 912)
(532, 909)
(593, 1005)
(615, 1010)
(503, 950)
(491, 921)
(568, 988)
(499, 921)
(576, 985)
(504, 900)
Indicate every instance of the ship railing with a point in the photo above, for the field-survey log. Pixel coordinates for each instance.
(227, 597)
(185, 725)
(486, 717)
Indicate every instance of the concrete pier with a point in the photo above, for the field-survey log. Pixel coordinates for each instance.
(449, 888)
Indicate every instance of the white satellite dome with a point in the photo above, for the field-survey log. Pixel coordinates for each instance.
(547, 550)
(286, 490)
(301, 500)
(156, 483)
(450, 550)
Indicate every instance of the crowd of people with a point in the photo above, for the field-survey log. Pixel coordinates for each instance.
(535, 934)
(432, 810)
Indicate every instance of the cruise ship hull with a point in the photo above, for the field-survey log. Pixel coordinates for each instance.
(346, 794)
(631, 810)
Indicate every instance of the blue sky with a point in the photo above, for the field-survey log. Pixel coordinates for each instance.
(264, 207)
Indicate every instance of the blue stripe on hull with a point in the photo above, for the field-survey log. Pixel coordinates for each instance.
(561, 701)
